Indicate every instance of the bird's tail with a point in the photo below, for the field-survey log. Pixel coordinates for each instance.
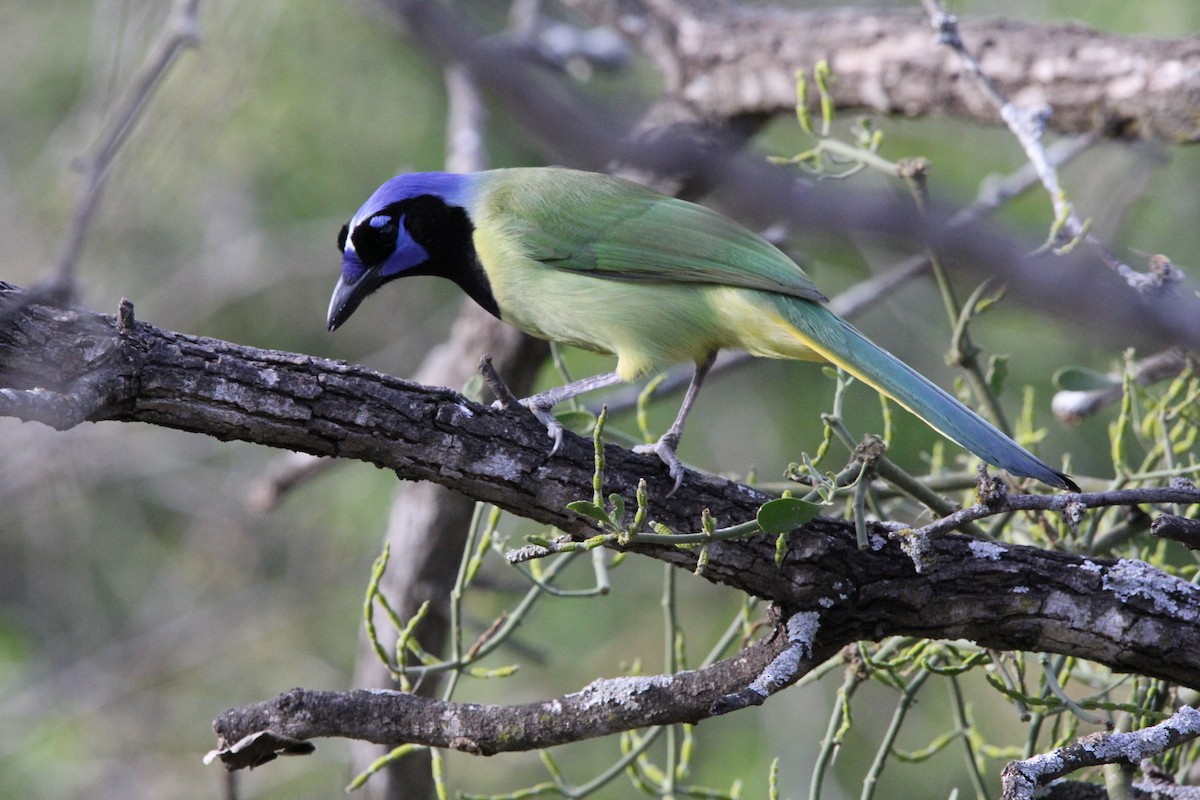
(837, 341)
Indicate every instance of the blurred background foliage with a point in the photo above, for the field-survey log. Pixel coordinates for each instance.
(139, 596)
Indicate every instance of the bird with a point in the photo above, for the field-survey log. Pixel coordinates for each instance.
(607, 265)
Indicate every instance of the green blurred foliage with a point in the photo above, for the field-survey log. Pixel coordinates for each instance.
(138, 595)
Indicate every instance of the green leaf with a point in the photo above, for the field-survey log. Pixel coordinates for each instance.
(589, 509)
(618, 507)
(1080, 379)
(786, 514)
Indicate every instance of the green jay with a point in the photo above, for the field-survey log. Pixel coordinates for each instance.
(600, 263)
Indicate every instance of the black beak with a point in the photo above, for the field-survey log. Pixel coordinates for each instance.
(347, 296)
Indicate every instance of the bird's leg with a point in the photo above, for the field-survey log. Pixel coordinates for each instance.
(540, 404)
(664, 448)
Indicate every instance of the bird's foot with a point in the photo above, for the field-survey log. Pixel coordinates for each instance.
(664, 448)
(543, 415)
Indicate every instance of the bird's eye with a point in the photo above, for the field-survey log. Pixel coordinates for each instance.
(375, 239)
(342, 235)
(385, 225)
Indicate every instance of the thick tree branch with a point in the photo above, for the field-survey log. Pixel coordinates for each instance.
(732, 60)
(1120, 613)
(62, 367)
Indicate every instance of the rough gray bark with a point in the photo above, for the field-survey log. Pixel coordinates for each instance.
(729, 60)
(63, 367)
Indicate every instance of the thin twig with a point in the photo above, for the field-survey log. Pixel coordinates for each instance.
(994, 192)
(1067, 503)
(1029, 125)
(181, 30)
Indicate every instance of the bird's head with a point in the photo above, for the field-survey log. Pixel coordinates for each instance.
(394, 234)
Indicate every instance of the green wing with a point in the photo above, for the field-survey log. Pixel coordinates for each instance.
(622, 231)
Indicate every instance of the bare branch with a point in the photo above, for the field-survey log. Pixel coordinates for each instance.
(1180, 529)
(1071, 504)
(182, 30)
(731, 60)
(599, 709)
(1021, 778)
(1004, 597)
(1028, 125)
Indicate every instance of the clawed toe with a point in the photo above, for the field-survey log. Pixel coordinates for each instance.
(664, 448)
(554, 428)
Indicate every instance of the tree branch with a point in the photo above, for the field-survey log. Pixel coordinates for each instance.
(61, 367)
(732, 60)
(182, 30)
(602, 708)
(1022, 778)
(1122, 613)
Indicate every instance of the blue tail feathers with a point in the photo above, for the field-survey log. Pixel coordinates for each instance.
(838, 341)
